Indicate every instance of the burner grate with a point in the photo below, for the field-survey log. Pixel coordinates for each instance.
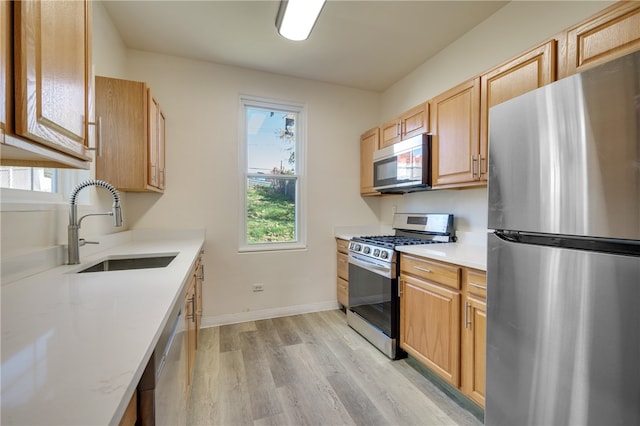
(392, 241)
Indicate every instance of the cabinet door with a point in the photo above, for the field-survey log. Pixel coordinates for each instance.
(190, 334)
(52, 73)
(455, 125)
(343, 292)
(199, 275)
(121, 107)
(415, 121)
(153, 168)
(474, 349)
(5, 67)
(523, 74)
(368, 145)
(612, 33)
(390, 133)
(161, 151)
(430, 326)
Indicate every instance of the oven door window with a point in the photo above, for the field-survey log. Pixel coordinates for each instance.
(370, 297)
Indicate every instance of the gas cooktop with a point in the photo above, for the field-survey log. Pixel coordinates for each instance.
(411, 229)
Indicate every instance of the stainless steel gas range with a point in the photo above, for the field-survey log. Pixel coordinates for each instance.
(374, 304)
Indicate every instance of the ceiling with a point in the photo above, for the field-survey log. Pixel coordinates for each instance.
(363, 44)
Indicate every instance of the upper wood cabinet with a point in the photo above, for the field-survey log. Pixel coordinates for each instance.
(6, 82)
(411, 123)
(455, 128)
(368, 145)
(130, 141)
(46, 64)
(612, 33)
(527, 72)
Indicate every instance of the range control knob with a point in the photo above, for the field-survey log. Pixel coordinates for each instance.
(384, 255)
(376, 252)
(358, 247)
(366, 250)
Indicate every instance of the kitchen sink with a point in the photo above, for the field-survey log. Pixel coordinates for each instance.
(126, 263)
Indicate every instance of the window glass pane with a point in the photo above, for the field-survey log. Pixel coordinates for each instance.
(271, 209)
(28, 178)
(271, 141)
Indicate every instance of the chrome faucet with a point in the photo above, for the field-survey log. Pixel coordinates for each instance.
(74, 242)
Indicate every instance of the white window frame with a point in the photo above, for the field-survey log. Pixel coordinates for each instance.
(301, 137)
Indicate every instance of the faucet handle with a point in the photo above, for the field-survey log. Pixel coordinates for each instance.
(82, 242)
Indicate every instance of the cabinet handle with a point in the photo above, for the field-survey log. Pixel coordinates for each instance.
(98, 147)
(193, 308)
(467, 321)
(429, 271)
(161, 177)
(482, 170)
(400, 288)
(477, 285)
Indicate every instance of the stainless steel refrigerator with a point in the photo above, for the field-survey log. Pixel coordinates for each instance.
(563, 270)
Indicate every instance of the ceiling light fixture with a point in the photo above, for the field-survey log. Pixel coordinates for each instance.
(296, 18)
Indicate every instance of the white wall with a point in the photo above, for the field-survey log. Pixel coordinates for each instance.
(201, 104)
(510, 31)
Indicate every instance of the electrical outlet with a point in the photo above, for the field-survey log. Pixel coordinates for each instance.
(257, 287)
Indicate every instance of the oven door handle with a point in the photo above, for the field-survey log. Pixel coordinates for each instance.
(384, 271)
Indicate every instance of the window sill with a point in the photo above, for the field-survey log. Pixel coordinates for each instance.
(17, 200)
(260, 248)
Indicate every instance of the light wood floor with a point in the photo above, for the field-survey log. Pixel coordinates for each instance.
(309, 369)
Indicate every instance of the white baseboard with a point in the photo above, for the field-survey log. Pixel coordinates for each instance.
(267, 313)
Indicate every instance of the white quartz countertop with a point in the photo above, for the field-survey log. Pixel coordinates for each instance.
(74, 346)
(469, 255)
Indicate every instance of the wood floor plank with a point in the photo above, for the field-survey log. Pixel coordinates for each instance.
(229, 335)
(310, 369)
(264, 401)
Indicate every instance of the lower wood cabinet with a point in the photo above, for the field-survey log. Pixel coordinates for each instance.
(443, 321)
(192, 318)
(343, 272)
(190, 340)
(430, 326)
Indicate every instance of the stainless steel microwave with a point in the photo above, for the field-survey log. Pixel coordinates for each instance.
(404, 166)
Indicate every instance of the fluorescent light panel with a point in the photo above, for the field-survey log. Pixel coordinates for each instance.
(296, 18)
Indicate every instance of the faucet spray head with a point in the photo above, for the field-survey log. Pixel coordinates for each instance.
(117, 214)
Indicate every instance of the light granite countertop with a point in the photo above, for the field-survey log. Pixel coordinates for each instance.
(74, 346)
(469, 255)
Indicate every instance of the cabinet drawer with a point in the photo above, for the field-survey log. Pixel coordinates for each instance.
(430, 270)
(343, 266)
(477, 283)
(343, 292)
(343, 245)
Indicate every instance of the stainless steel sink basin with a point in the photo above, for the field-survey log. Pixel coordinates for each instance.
(121, 264)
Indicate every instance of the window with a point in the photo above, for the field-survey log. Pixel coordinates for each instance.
(33, 188)
(272, 163)
(29, 178)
